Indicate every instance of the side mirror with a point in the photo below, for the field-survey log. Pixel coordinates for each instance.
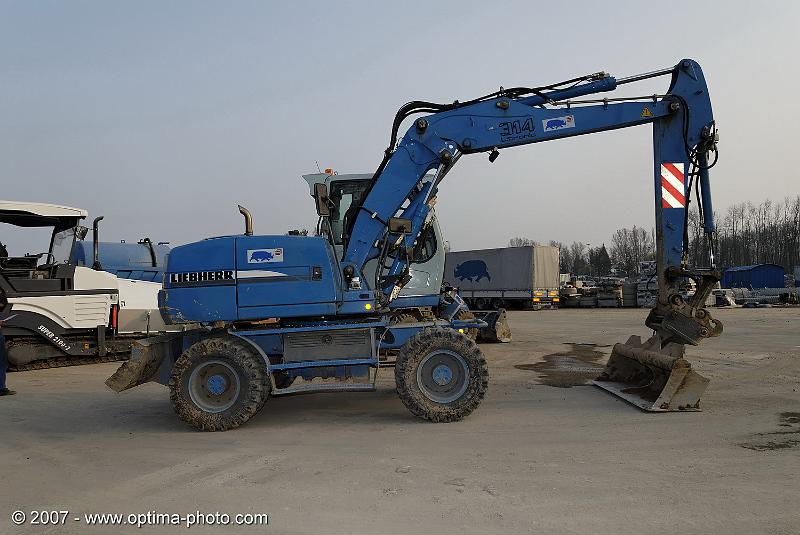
(321, 198)
(398, 225)
(81, 231)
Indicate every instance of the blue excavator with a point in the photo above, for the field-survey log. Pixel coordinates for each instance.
(288, 314)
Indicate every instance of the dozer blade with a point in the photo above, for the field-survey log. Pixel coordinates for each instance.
(651, 377)
(146, 358)
(497, 329)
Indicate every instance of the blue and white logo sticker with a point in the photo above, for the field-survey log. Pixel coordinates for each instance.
(264, 256)
(558, 123)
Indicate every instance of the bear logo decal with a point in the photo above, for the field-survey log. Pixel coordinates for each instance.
(263, 256)
(472, 270)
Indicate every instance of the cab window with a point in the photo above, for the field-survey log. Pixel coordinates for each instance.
(346, 197)
(425, 247)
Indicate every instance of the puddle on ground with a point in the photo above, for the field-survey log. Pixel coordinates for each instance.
(778, 440)
(575, 367)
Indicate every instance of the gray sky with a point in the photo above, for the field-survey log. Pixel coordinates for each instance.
(162, 116)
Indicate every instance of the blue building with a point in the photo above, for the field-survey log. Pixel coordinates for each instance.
(757, 276)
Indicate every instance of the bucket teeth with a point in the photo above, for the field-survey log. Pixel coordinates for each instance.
(652, 377)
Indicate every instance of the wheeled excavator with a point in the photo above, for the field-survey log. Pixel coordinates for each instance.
(289, 314)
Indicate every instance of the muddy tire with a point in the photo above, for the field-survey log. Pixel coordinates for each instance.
(218, 384)
(404, 317)
(441, 375)
(462, 314)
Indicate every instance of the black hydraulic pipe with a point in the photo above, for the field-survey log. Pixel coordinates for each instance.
(705, 192)
(96, 244)
(149, 243)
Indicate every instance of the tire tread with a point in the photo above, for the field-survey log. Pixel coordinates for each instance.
(405, 375)
(244, 358)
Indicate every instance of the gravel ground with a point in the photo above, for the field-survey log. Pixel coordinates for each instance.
(544, 453)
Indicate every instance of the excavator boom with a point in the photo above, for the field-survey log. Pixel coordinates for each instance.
(266, 315)
(684, 138)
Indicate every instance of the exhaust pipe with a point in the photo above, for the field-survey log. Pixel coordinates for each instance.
(96, 244)
(248, 220)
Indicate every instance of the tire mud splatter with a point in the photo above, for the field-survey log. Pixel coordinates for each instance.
(576, 367)
(787, 438)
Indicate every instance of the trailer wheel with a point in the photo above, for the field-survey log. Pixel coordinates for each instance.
(218, 384)
(441, 375)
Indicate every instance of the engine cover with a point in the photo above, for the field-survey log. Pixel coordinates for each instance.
(250, 278)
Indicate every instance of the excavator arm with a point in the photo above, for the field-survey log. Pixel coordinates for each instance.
(393, 212)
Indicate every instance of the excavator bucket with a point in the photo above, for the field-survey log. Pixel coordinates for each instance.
(145, 363)
(497, 329)
(653, 377)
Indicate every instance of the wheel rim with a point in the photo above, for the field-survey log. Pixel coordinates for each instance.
(443, 376)
(214, 386)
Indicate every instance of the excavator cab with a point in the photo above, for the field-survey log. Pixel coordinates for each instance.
(345, 194)
(426, 287)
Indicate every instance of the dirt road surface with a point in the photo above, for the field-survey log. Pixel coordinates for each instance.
(543, 454)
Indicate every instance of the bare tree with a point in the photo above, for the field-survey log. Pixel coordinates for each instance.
(631, 246)
(760, 234)
(747, 234)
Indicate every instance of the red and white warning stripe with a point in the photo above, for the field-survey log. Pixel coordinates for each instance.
(672, 186)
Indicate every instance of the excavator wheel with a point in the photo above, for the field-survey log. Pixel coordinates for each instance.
(404, 317)
(218, 384)
(441, 375)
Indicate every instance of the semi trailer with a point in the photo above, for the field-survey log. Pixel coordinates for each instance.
(510, 277)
